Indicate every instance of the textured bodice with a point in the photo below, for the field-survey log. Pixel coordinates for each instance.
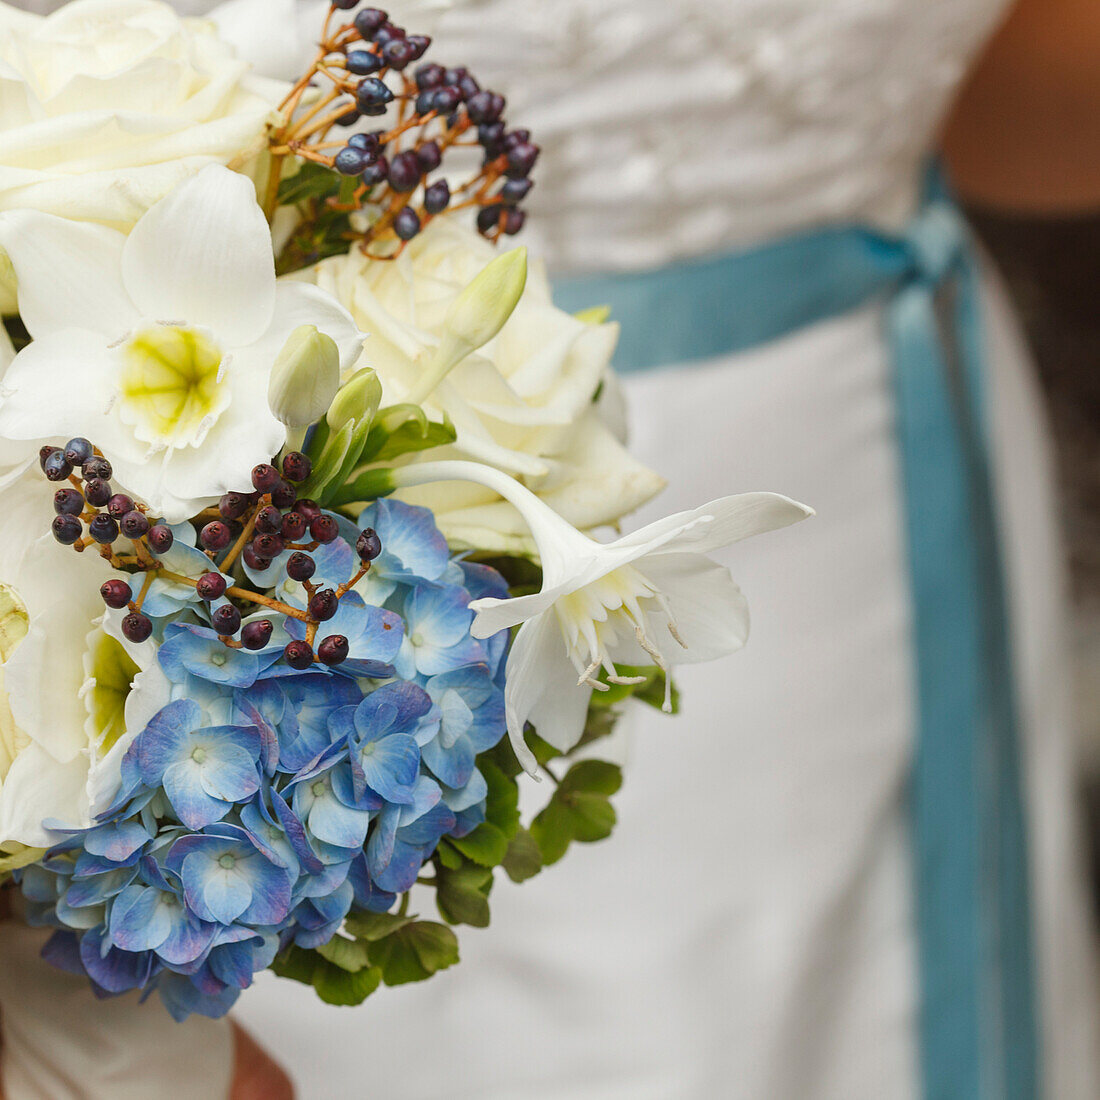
(676, 129)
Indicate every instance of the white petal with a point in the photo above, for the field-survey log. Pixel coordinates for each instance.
(710, 613)
(59, 385)
(722, 521)
(303, 304)
(39, 788)
(537, 656)
(202, 256)
(69, 274)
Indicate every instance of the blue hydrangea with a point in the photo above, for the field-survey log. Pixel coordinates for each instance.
(262, 805)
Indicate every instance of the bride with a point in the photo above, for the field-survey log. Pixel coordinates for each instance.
(857, 874)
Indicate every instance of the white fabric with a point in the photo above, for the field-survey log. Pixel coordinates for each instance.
(748, 932)
(61, 1043)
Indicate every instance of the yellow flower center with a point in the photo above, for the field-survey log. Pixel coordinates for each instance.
(172, 391)
(113, 672)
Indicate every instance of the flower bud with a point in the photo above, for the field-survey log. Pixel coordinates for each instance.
(305, 377)
(357, 399)
(476, 316)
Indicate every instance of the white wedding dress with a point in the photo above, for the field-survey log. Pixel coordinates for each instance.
(748, 933)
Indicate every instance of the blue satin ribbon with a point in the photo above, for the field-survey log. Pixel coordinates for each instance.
(978, 1027)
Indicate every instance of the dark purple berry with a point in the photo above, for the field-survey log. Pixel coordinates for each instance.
(226, 620)
(350, 161)
(491, 136)
(67, 529)
(293, 527)
(344, 5)
(368, 546)
(387, 33)
(300, 567)
(424, 101)
(429, 76)
(78, 451)
(99, 468)
(104, 529)
(377, 173)
(368, 143)
(349, 118)
(407, 224)
(429, 157)
(372, 94)
(44, 453)
(437, 197)
(398, 53)
(333, 650)
(404, 172)
(299, 655)
(369, 20)
(364, 62)
(119, 505)
(269, 520)
(323, 605)
(488, 218)
(254, 561)
(521, 159)
(484, 107)
(97, 492)
(234, 505)
(454, 74)
(446, 99)
(137, 627)
(297, 466)
(160, 538)
(265, 477)
(56, 466)
(514, 138)
(310, 509)
(283, 495)
(257, 634)
(515, 191)
(419, 44)
(68, 502)
(268, 546)
(210, 586)
(324, 529)
(513, 221)
(215, 535)
(134, 524)
(116, 593)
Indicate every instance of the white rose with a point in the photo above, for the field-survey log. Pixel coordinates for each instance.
(106, 105)
(73, 691)
(524, 403)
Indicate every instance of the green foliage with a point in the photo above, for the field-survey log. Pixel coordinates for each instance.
(462, 891)
(580, 809)
(523, 860)
(325, 229)
(348, 981)
(414, 952)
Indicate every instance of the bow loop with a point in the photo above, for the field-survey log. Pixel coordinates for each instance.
(936, 241)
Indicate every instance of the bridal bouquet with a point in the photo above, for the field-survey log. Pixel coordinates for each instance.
(300, 478)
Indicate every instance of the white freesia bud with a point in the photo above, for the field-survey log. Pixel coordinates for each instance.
(305, 377)
(357, 399)
(477, 315)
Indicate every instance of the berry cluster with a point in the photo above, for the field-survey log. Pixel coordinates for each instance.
(255, 527)
(363, 65)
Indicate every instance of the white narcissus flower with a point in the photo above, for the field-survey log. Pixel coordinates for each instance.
(649, 598)
(524, 403)
(106, 105)
(73, 690)
(159, 346)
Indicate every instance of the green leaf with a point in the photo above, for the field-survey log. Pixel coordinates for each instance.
(462, 895)
(375, 926)
(349, 955)
(334, 985)
(523, 860)
(448, 855)
(311, 181)
(552, 831)
(594, 777)
(486, 845)
(400, 429)
(502, 800)
(593, 817)
(328, 464)
(415, 952)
